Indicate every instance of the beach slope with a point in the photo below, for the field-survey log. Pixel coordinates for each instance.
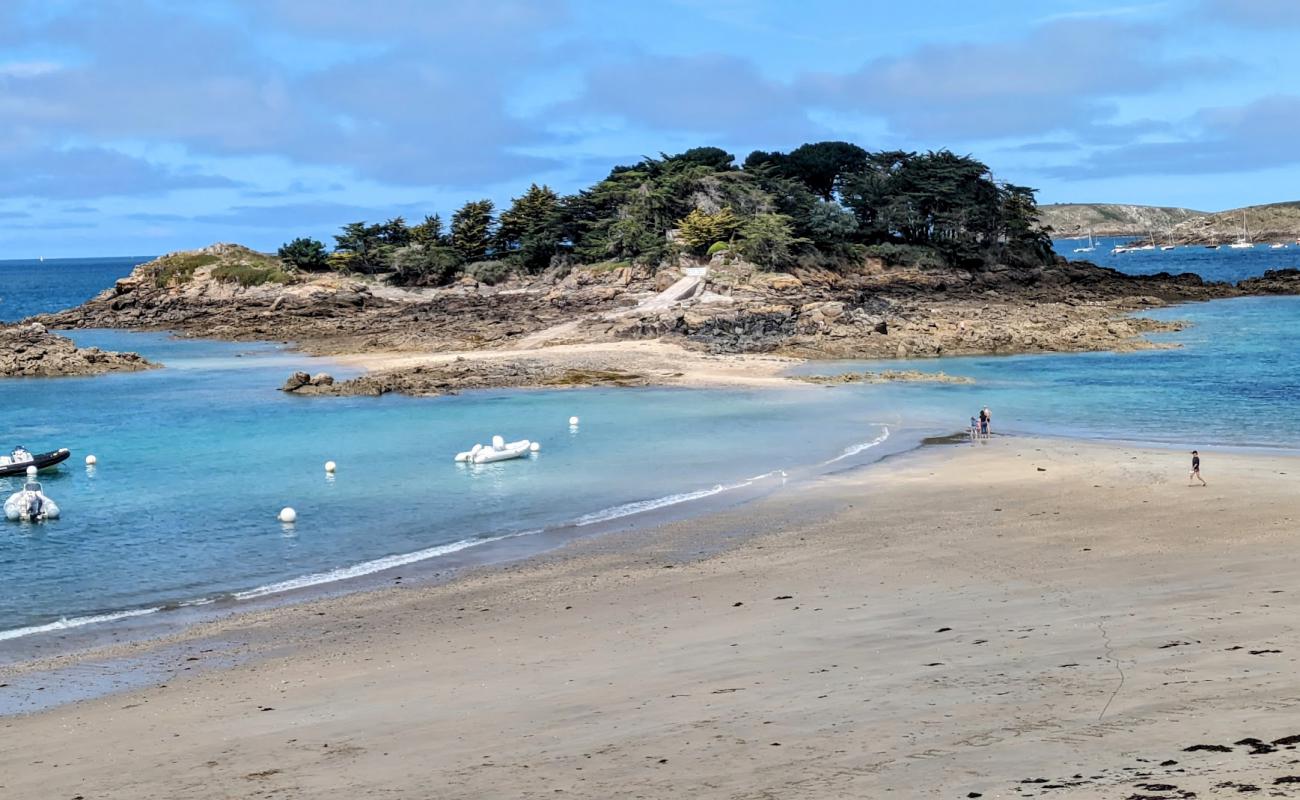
(1019, 619)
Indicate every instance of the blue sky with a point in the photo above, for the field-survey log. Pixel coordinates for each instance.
(143, 126)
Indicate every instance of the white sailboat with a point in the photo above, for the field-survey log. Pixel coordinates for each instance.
(1092, 245)
(1244, 242)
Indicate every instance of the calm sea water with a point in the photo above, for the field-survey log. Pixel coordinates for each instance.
(196, 459)
(31, 286)
(1223, 264)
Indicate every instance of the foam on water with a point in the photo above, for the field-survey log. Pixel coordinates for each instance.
(371, 567)
(64, 624)
(861, 447)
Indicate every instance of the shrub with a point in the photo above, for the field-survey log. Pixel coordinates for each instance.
(422, 265)
(177, 269)
(305, 254)
(246, 274)
(489, 272)
(718, 247)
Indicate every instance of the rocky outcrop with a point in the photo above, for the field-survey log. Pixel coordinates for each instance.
(873, 311)
(330, 314)
(32, 351)
(457, 376)
(886, 376)
(1273, 281)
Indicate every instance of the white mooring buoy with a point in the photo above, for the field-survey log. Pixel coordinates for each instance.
(573, 421)
(330, 466)
(535, 446)
(288, 514)
(91, 461)
(31, 472)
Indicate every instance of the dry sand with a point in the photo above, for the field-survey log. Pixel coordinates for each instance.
(1019, 619)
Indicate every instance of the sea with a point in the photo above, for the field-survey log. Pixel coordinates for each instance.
(194, 461)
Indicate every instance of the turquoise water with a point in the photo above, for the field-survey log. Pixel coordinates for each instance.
(196, 459)
(1231, 383)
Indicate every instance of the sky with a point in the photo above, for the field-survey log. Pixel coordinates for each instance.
(137, 127)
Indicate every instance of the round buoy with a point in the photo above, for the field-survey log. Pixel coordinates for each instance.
(31, 471)
(91, 461)
(288, 514)
(330, 466)
(535, 446)
(573, 420)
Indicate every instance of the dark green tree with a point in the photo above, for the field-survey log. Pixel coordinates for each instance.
(421, 265)
(429, 232)
(305, 254)
(362, 247)
(471, 230)
(532, 230)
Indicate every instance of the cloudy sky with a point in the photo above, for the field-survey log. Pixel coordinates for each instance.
(142, 126)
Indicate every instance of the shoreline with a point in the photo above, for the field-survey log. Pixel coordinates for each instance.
(887, 568)
(89, 632)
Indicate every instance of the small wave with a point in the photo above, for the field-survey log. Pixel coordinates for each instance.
(75, 622)
(370, 567)
(854, 449)
(642, 506)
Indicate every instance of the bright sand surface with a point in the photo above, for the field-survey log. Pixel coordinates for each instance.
(954, 621)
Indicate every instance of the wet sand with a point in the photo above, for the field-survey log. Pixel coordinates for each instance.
(1019, 619)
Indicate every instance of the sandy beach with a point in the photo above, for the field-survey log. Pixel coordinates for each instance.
(1019, 619)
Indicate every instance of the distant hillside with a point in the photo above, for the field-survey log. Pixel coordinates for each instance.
(1275, 222)
(1111, 219)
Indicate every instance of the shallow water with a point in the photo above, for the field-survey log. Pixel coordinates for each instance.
(197, 458)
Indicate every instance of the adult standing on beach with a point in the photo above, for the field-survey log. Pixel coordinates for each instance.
(1196, 469)
(986, 422)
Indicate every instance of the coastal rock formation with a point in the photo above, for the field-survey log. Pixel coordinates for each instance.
(456, 376)
(32, 351)
(876, 310)
(886, 376)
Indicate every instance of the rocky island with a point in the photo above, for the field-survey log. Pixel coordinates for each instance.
(792, 256)
(30, 351)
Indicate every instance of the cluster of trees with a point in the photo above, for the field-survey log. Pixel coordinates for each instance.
(828, 204)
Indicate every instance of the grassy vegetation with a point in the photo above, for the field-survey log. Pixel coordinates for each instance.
(246, 274)
(177, 269)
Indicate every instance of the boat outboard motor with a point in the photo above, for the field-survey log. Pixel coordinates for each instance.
(34, 502)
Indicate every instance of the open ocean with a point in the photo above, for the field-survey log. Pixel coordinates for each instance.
(196, 459)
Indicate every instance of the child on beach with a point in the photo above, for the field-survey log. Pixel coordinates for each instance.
(1196, 469)
(974, 429)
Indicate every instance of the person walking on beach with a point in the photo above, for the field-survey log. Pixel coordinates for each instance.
(986, 422)
(1196, 469)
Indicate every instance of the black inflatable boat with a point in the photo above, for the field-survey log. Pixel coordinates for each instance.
(39, 460)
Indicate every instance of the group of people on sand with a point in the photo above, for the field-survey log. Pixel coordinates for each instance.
(981, 426)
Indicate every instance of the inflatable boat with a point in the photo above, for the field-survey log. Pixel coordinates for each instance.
(17, 462)
(29, 504)
(499, 450)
